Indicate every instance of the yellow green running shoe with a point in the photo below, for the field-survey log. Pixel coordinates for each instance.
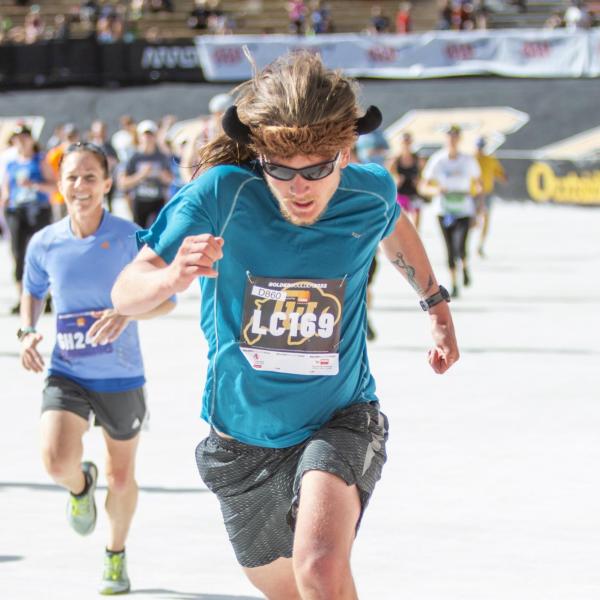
(81, 510)
(114, 579)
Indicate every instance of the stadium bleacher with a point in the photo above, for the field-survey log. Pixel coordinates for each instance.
(250, 16)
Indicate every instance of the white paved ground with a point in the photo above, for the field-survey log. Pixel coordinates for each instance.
(491, 489)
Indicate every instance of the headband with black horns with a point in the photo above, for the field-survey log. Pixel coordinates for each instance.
(241, 133)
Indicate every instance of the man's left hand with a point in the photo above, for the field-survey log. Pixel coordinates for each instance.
(108, 326)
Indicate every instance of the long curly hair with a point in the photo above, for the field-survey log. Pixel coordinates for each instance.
(293, 106)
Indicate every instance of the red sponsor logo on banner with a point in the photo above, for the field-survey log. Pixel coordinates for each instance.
(382, 54)
(228, 55)
(539, 49)
(460, 51)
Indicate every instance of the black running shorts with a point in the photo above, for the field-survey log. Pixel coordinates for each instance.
(258, 487)
(121, 414)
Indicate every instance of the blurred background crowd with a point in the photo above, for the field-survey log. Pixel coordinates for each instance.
(109, 21)
(150, 161)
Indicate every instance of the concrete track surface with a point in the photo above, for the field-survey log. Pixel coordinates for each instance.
(490, 490)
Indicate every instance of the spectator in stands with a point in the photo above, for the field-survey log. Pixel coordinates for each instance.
(297, 16)
(198, 18)
(403, 18)
(157, 6)
(320, 18)
(5, 26)
(576, 16)
(379, 22)
(554, 21)
(110, 26)
(480, 14)
(520, 4)
(147, 176)
(89, 11)
(16, 35)
(62, 28)
(219, 22)
(34, 25)
(445, 15)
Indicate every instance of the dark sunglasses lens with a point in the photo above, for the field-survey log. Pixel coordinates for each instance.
(318, 172)
(279, 172)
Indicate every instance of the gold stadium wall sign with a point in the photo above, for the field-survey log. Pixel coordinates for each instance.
(545, 184)
(567, 171)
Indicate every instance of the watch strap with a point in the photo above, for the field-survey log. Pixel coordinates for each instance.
(429, 302)
(23, 331)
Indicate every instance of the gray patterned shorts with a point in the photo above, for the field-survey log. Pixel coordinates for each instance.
(259, 488)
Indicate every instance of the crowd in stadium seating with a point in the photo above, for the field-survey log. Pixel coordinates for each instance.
(109, 20)
(118, 20)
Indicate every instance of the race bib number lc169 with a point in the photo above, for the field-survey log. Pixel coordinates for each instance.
(292, 325)
(72, 336)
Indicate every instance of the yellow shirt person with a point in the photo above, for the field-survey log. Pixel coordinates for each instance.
(491, 172)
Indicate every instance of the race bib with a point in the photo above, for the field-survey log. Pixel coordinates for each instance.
(292, 325)
(72, 336)
(149, 190)
(455, 203)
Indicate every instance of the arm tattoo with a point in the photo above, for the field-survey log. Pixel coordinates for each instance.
(409, 272)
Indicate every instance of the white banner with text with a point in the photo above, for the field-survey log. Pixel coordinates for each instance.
(508, 53)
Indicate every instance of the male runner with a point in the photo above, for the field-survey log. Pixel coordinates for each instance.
(281, 230)
(96, 365)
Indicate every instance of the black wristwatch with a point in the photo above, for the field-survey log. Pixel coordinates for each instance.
(441, 295)
(23, 331)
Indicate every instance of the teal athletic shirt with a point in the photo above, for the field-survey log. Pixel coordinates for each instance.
(80, 274)
(285, 320)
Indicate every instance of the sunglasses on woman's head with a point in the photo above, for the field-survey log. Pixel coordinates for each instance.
(87, 147)
(310, 172)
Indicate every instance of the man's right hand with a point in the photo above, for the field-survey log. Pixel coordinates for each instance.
(31, 359)
(194, 259)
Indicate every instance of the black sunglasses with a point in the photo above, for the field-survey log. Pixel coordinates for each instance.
(310, 173)
(88, 147)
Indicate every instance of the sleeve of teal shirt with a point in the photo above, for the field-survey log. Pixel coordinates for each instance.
(191, 212)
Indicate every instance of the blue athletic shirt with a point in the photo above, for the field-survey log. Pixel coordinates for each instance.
(244, 398)
(19, 170)
(80, 274)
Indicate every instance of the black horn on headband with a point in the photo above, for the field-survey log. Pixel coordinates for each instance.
(370, 121)
(234, 128)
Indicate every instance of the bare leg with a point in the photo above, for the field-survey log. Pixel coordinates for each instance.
(62, 448)
(325, 531)
(275, 580)
(121, 498)
(485, 225)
